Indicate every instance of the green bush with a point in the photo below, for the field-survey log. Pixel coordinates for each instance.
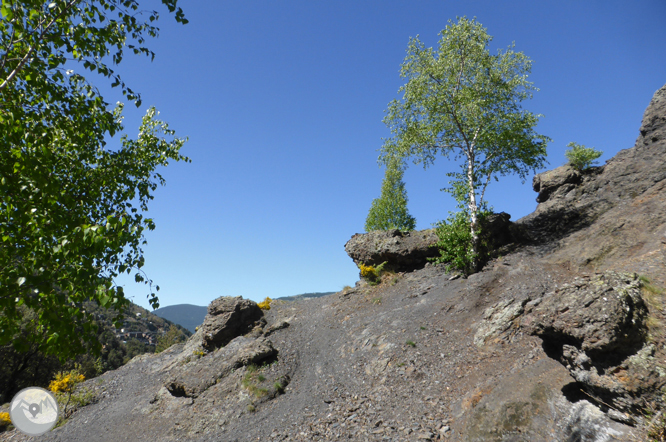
(372, 274)
(581, 157)
(455, 243)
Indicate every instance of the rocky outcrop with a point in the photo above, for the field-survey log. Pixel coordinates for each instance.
(610, 217)
(560, 181)
(402, 251)
(556, 340)
(193, 378)
(228, 318)
(408, 251)
(596, 327)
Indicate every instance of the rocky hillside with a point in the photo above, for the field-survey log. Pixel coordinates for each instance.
(560, 339)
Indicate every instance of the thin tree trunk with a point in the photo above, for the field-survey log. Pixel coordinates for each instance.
(473, 209)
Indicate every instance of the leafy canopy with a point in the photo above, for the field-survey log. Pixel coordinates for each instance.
(463, 103)
(71, 209)
(389, 211)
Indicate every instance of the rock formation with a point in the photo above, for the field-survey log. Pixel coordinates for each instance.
(227, 318)
(409, 251)
(562, 339)
(403, 251)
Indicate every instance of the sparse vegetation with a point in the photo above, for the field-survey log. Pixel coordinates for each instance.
(655, 426)
(5, 421)
(64, 386)
(411, 343)
(265, 304)
(250, 380)
(372, 274)
(173, 336)
(581, 157)
(377, 301)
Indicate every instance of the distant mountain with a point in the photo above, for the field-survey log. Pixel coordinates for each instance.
(191, 316)
(305, 296)
(187, 315)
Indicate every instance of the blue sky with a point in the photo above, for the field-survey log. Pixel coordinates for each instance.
(283, 102)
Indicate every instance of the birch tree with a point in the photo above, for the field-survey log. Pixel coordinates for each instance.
(463, 103)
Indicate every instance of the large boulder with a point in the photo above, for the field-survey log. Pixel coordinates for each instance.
(562, 179)
(192, 379)
(402, 251)
(409, 251)
(597, 328)
(228, 318)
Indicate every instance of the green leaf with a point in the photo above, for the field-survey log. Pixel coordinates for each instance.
(6, 11)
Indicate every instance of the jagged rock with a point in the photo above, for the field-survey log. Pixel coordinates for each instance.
(498, 319)
(275, 327)
(653, 127)
(228, 318)
(193, 378)
(498, 229)
(562, 179)
(403, 251)
(596, 327)
(586, 216)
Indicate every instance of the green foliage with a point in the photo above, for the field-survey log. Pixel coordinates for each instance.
(461, 101)
(71, 209)
(372, 274)
(410, 343)
(250, 380)
(171, 337)
(35, 368)
(65, 384)
(455, 244)
(389, 211)
(581, 157)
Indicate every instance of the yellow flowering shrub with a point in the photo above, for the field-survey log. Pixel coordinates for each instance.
(4, 420)
(372, 274)
(265, 304)
(64, 382)
(368, 271)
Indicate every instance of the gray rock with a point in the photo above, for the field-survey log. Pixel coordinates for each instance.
(596, 327)
(228, 318)
(602, 314)
(403, 251)
(563, 179)
(630, 185)
(192, 379)
(498, 319)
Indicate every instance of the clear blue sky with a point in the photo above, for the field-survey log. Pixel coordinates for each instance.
(282, 102)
